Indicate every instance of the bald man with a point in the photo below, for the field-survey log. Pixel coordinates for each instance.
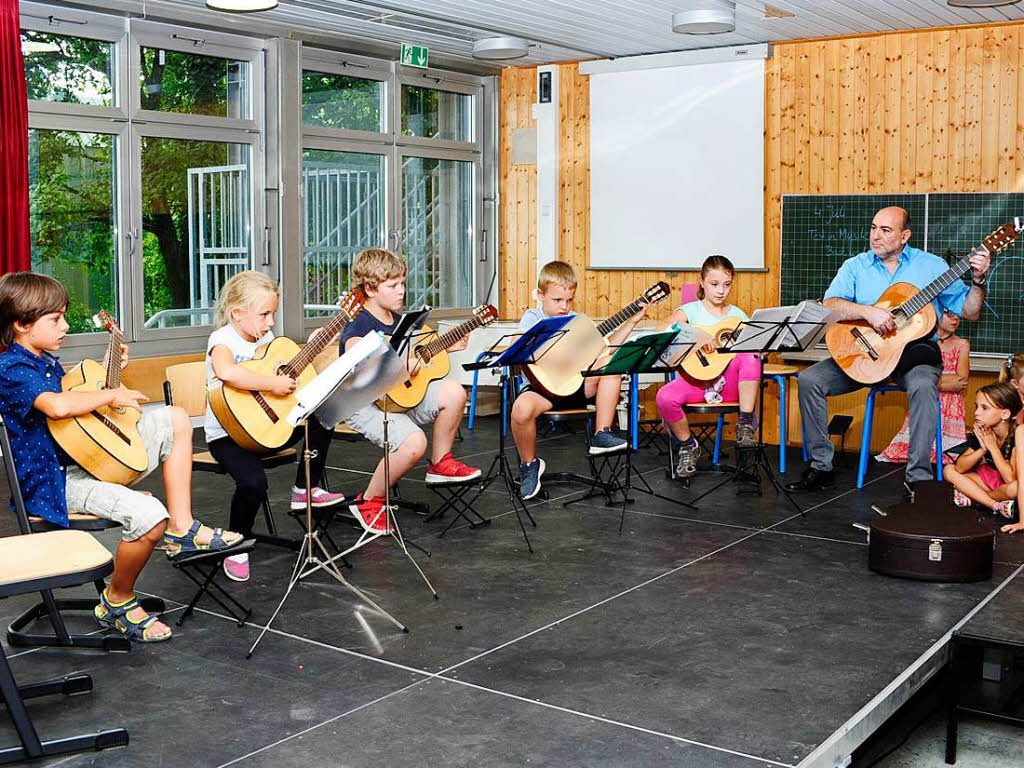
(856, 287)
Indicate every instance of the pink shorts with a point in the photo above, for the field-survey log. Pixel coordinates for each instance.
(990, 476)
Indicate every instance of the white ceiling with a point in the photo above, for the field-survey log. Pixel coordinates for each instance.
(562, 30)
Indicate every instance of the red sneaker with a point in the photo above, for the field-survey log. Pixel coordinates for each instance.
(451, 470)
(371, 514)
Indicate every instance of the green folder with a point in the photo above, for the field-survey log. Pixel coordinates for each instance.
(640, 354)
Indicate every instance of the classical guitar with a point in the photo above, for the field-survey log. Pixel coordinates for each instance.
(256, 420)
(703, 365)
(867, 356)
(557, 372)
(104, 442)
(429, 360)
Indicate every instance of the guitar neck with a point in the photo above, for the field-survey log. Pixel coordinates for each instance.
(445, 340)
(613, 322)
(114, 358)
(301, 361)
(927, 295)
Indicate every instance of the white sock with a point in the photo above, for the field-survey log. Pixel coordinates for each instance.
(241, 559)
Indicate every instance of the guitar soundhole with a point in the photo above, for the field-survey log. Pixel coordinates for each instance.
(423, 354)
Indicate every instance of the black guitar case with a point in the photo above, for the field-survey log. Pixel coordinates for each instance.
(931, 539)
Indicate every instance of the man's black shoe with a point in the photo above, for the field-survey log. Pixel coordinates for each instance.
(813, 480)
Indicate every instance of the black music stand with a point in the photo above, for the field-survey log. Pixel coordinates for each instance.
(654, 353)
(522, 351)
(763, 336)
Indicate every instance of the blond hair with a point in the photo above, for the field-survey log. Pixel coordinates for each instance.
(25, 297)
(556, 273)
(375, 265)
(1013, 368)
(243, 290)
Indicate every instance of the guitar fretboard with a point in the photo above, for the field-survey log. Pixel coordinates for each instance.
(613, 322)
(445, 340)
(114, 357)
(301, 361)
(927, 295)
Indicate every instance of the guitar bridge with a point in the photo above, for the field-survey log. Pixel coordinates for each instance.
(864, 343)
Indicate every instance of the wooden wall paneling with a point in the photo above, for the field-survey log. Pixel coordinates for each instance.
(925, 72)
(990, 110)
(875, 103)
(846, 154)
(830, 166)
(863, 113)
(801, 126)
(957, 107)
(892, 103)
(973, 109)
(940, 111)
(816, 118)
(908, 113)
(1009, 47)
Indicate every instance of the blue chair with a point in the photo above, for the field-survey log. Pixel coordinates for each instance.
(869, 417)
(780, 374)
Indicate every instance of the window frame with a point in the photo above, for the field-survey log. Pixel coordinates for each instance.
(335, 63)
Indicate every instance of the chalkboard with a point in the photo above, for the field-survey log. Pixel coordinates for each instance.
(819, 232)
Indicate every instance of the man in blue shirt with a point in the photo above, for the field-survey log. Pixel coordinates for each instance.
(858, 284)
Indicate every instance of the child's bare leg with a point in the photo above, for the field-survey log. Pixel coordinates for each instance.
(130, 558)
(451, 397)
(1005, 492)
(969, 485)
(680, 430)
(401, 461)
(607, 391)
(748, 396)
(525, 410)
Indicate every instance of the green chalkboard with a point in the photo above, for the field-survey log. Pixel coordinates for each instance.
(819, 232)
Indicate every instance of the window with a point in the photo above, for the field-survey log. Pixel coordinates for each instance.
(67, 69)
(72, 218)
(435, 114)
(172, 81)
(340, 101)
(344, 194)
(196, 229)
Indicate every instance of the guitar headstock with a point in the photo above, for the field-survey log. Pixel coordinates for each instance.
(1002, 238)
(657, 292)
(350, 304)
(103, 320)
(485, 314)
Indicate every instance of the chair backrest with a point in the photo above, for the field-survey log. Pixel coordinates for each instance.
(185, 386)
(687, 293)
(12, 480)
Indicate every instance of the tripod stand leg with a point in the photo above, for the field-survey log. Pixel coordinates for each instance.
(396, 534)
(300, 563)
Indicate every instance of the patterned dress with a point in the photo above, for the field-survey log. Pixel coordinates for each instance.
(954, 430)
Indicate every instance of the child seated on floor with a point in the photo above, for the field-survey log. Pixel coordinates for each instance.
(1012, 372)
(381, 276)
(986, 473)
(32, 328)
(556, 289)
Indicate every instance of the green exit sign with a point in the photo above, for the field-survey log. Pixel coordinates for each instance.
(415, 55)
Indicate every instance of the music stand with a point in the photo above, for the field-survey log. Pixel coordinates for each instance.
(522, 351)
(400, 346)
(654, 353)
(353, 381)
(774, 329)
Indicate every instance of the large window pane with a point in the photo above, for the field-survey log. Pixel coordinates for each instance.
(437, 114)
(71, 218)
(171, 81)
(437, 231)
(196, 204)
(68, 69)
(339, 101)
(344, 214)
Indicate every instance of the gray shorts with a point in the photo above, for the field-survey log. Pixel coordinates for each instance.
(369, 421)
(136, 512)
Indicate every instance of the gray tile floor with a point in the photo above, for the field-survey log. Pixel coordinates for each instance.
(739, 634)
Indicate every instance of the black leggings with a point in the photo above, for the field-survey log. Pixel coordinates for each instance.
(251, 479)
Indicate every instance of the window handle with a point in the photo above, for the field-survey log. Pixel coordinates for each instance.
(132, 236)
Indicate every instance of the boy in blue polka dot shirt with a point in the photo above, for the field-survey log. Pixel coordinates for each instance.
(32, 329)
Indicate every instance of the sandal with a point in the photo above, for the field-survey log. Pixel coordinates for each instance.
(186, 544)
(116, 617)
(960, 499)
(1005, 508)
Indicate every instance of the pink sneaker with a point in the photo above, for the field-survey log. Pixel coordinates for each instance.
(236, 571)
(371, 514)
(321, 498)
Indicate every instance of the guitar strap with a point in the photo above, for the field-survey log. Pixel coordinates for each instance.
(919, 352)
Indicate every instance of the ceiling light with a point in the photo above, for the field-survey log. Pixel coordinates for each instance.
(501, 48)
(711, 18)
(241, 6)
(980, 3)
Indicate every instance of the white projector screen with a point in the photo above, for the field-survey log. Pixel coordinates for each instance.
(677, 166)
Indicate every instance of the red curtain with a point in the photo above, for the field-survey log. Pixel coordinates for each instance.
(15, 253)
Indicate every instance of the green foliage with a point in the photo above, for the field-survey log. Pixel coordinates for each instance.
(68, 69)
(339, 101)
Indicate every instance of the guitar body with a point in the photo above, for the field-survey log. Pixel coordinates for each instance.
(868, 357)
(708, 366)
(256, 420)
(557, 373)
(106, 442)
(410, 392)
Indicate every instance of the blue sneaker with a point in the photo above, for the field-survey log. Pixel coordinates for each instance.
(606, 441)
(529, 478)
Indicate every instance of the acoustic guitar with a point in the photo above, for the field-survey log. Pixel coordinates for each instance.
(702, 365)
(557, 372)
(256, 420)
(429, 360)
(104, 442)
(867, 356)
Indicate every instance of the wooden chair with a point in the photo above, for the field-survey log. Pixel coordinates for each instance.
(43, 562)
(185, 386)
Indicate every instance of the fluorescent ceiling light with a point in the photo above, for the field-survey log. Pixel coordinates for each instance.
(980, 3)
(709, 18)
(241, 6)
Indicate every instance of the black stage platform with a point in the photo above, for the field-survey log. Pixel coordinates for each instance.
(738, 635)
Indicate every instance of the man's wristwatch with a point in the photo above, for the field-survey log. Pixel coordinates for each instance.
(977, 282)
